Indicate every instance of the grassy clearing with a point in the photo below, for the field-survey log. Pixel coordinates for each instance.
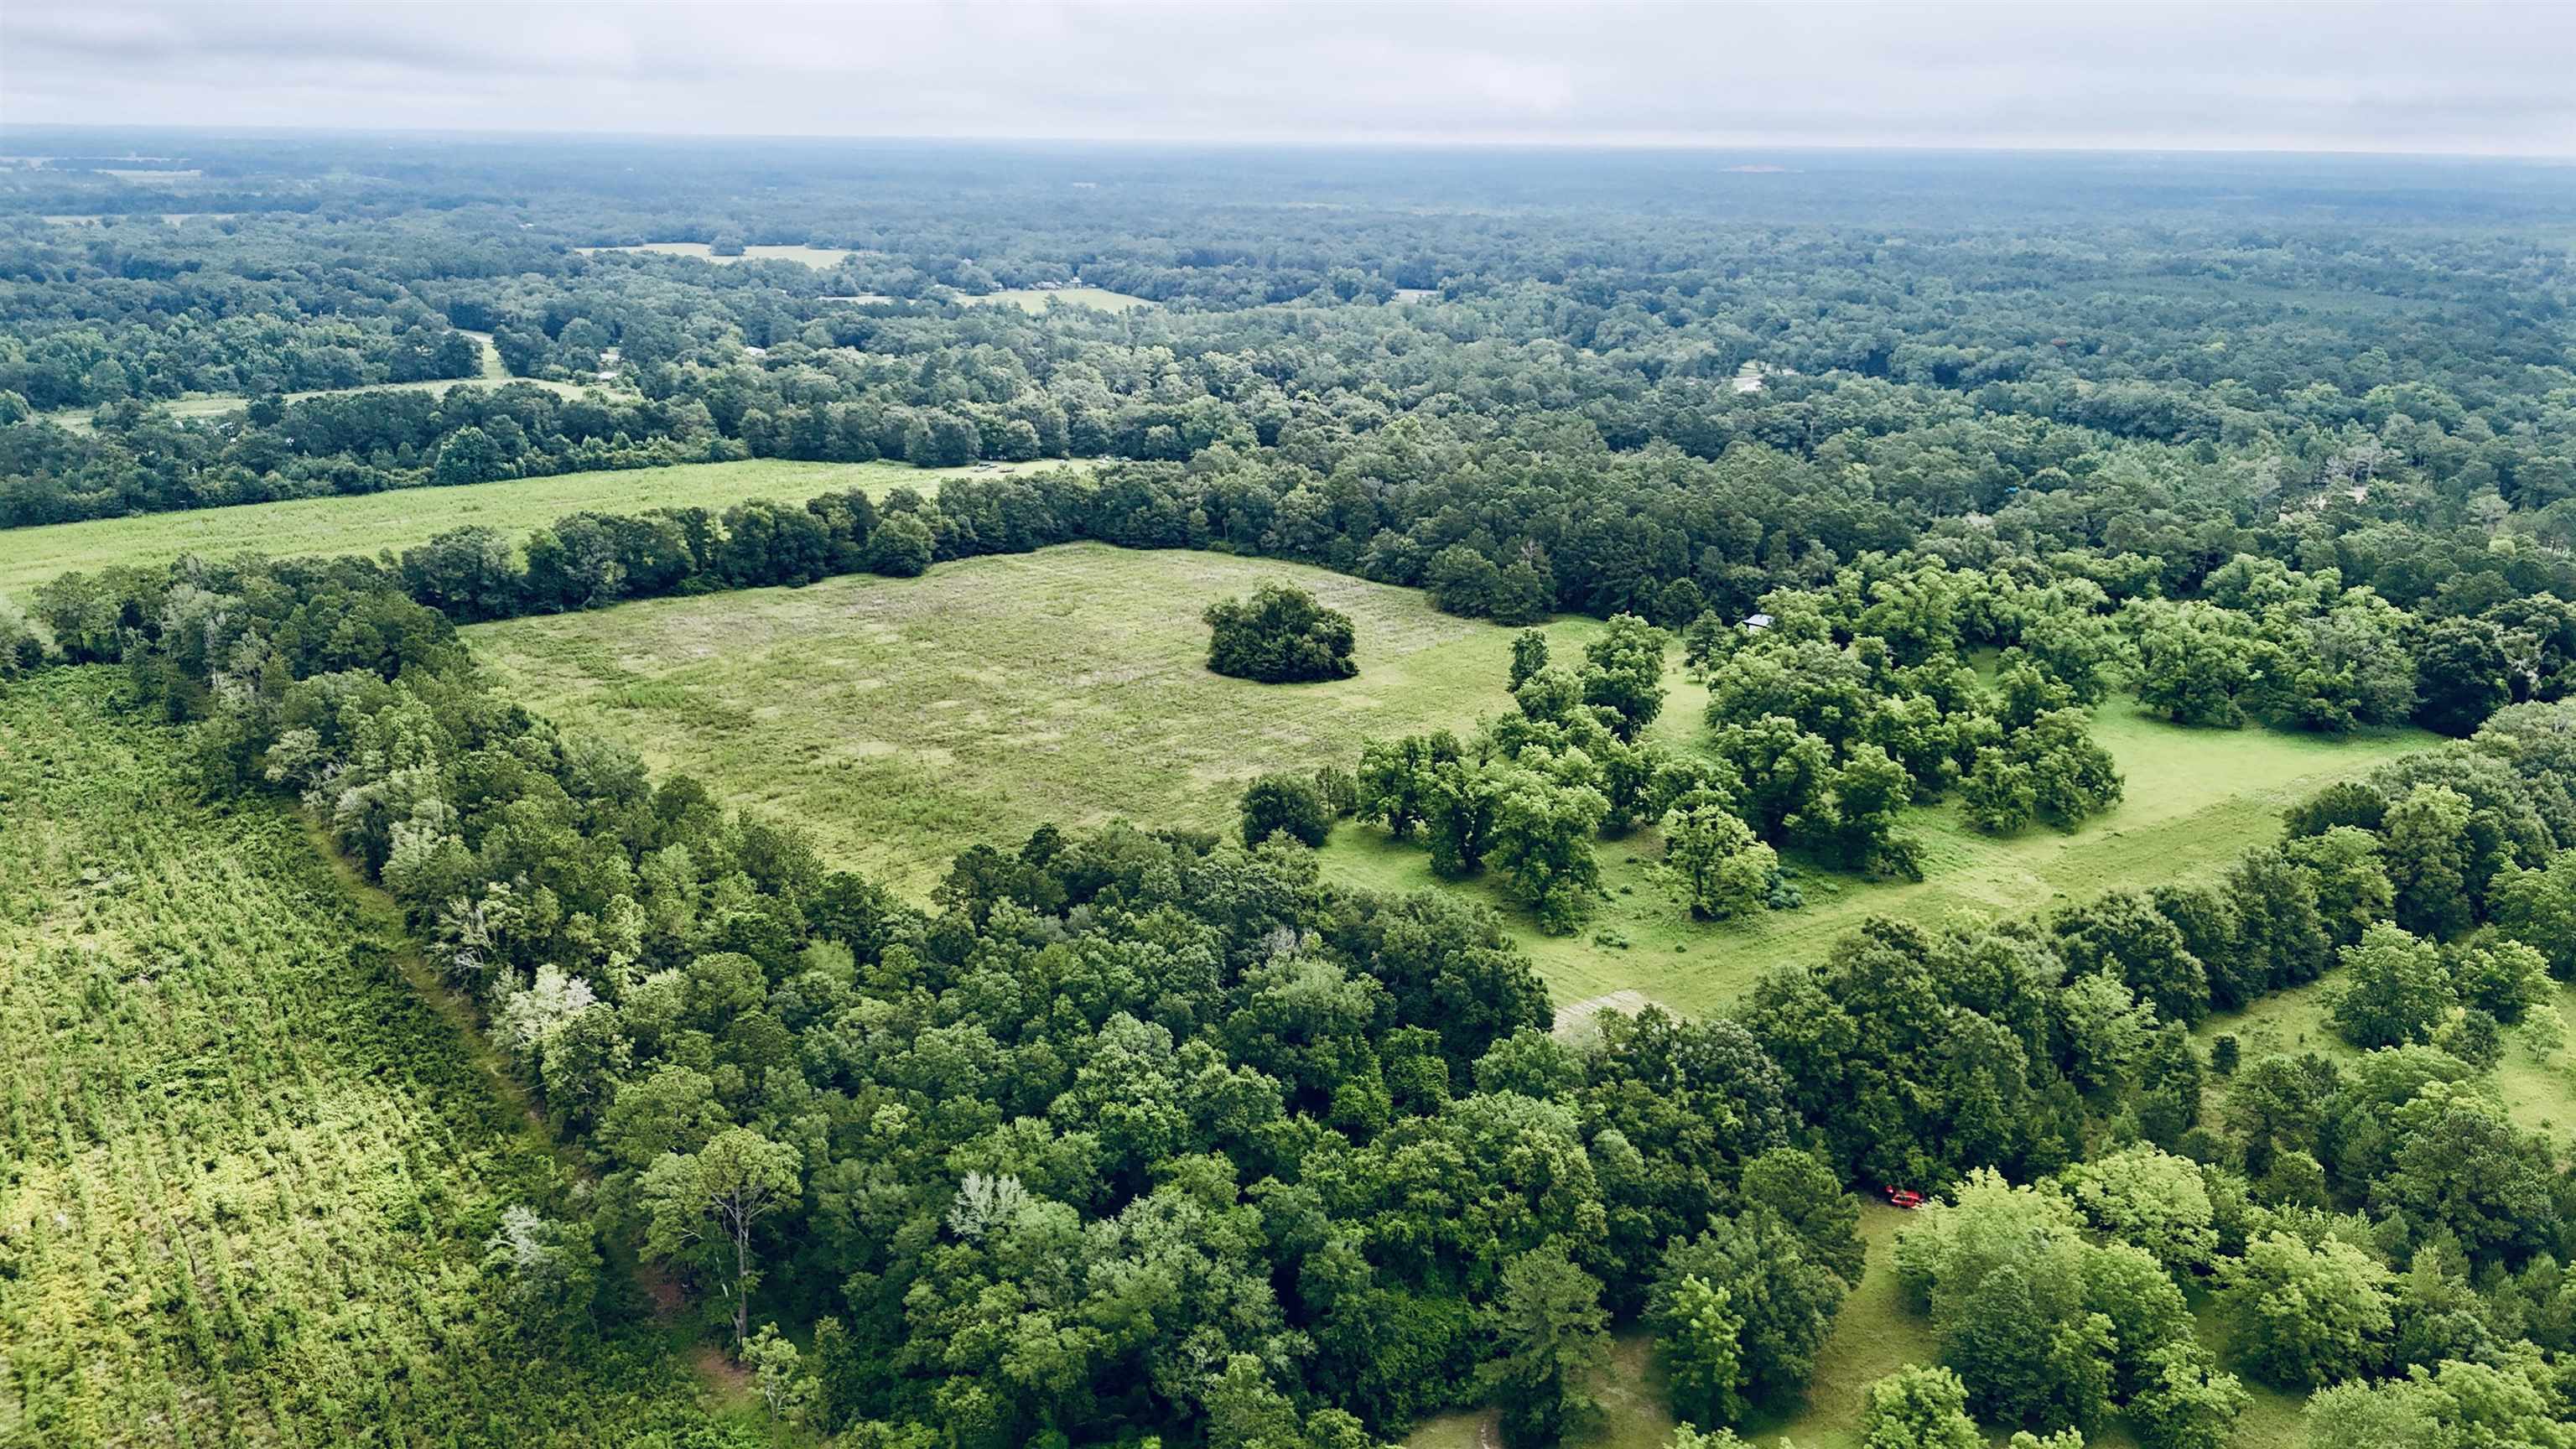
(819, 258)
(366, 523)
(2538, 1088)
(903, 720)
(1035, 299)
(493, 370)
(245, 1174)
(1876, 1334)
(2196, 800)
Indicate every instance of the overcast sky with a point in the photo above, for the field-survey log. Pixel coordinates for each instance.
(2458, 77)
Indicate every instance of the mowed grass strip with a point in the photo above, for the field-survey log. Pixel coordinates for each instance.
(367, 523)
(902, 720)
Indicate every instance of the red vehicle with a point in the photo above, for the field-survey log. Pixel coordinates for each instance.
(1904, 1197)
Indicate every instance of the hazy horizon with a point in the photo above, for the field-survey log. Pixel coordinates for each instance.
(2475, 79)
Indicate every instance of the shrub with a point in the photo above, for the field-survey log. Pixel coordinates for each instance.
(1286, 802)
(1279, 636)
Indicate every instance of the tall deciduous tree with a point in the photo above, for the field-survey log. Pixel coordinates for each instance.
(704, 1206)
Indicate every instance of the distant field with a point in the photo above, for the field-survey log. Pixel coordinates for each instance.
(819, 258)
(1035, 299)
(173, 218)
(365, 523)
(2196, 800)
(903, 720)
(246, 1174)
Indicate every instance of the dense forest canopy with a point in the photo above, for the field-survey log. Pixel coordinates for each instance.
(1135, 1135)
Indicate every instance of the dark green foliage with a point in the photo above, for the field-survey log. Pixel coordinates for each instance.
(1397, 779)
(1551, 1332)
(2460, 675)
(1623, 672)
(1275, 803)
(2305, 1315)
(1529, 656)
(1279, 636)
(1779, 1302)
(900, 547)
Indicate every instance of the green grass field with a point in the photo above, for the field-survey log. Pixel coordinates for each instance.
(1035, 299)
(819, 258)
(903, 720)
(245, 1175)
(366, 523)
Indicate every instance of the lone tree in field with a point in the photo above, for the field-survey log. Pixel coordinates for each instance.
(1279, 636)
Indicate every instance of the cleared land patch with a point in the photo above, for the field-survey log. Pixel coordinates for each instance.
(903, 720)
(819, 258)
(246, 1169)
(1035, 299)
(366, 523)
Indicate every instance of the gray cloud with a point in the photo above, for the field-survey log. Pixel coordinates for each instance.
(2457, 77)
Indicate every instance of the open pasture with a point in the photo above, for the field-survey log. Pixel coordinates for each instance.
(247, 1165)
(368, 523)
(902, 720)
